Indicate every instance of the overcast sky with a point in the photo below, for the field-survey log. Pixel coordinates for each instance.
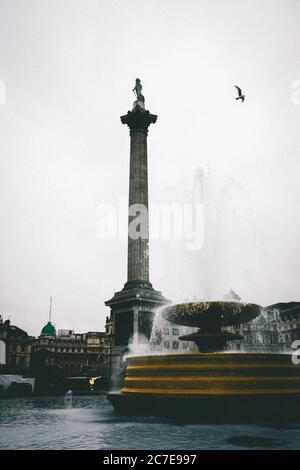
(69, 67)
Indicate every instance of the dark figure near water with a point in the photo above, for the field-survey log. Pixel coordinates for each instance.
(138, 90)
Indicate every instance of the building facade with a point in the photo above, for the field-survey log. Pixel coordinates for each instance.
(274, 330)
(15, 348)
(165, 339)
(76, 354)
(288, 315)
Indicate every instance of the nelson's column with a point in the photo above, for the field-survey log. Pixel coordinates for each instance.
(133, 307)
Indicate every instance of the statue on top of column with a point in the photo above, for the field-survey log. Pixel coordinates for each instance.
(138, 90)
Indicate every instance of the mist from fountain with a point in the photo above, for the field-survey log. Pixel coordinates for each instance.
(230, 234)
(233, 254)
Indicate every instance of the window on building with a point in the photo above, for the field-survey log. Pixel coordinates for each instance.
(185, 344)
(93, 341)
(175, 331)
(175, 344)
(166, 344)
(166, 330)
(21, 360)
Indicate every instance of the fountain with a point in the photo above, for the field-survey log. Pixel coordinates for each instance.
(212, 384)
(210, 317)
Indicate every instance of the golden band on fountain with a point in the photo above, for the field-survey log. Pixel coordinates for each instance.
(213, 374)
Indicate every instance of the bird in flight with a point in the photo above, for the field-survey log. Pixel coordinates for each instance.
(241, 96)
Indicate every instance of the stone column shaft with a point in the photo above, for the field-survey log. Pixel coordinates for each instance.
(138, 248)
(138, 120)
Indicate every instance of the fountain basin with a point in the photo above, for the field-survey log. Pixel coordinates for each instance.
(205, 314)
(210, 318)
(211, 386)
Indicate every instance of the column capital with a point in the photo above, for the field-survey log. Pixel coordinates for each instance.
(138, 119)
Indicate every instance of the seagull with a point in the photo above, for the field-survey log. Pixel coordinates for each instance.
(241, 96)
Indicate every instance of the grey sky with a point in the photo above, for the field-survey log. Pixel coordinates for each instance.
(69, 67)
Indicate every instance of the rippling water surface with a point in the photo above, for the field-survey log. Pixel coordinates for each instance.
(47, 423)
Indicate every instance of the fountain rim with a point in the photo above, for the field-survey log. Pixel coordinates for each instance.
(213, 355)
(189, 315)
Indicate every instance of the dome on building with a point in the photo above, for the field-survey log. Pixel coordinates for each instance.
(48, 330)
